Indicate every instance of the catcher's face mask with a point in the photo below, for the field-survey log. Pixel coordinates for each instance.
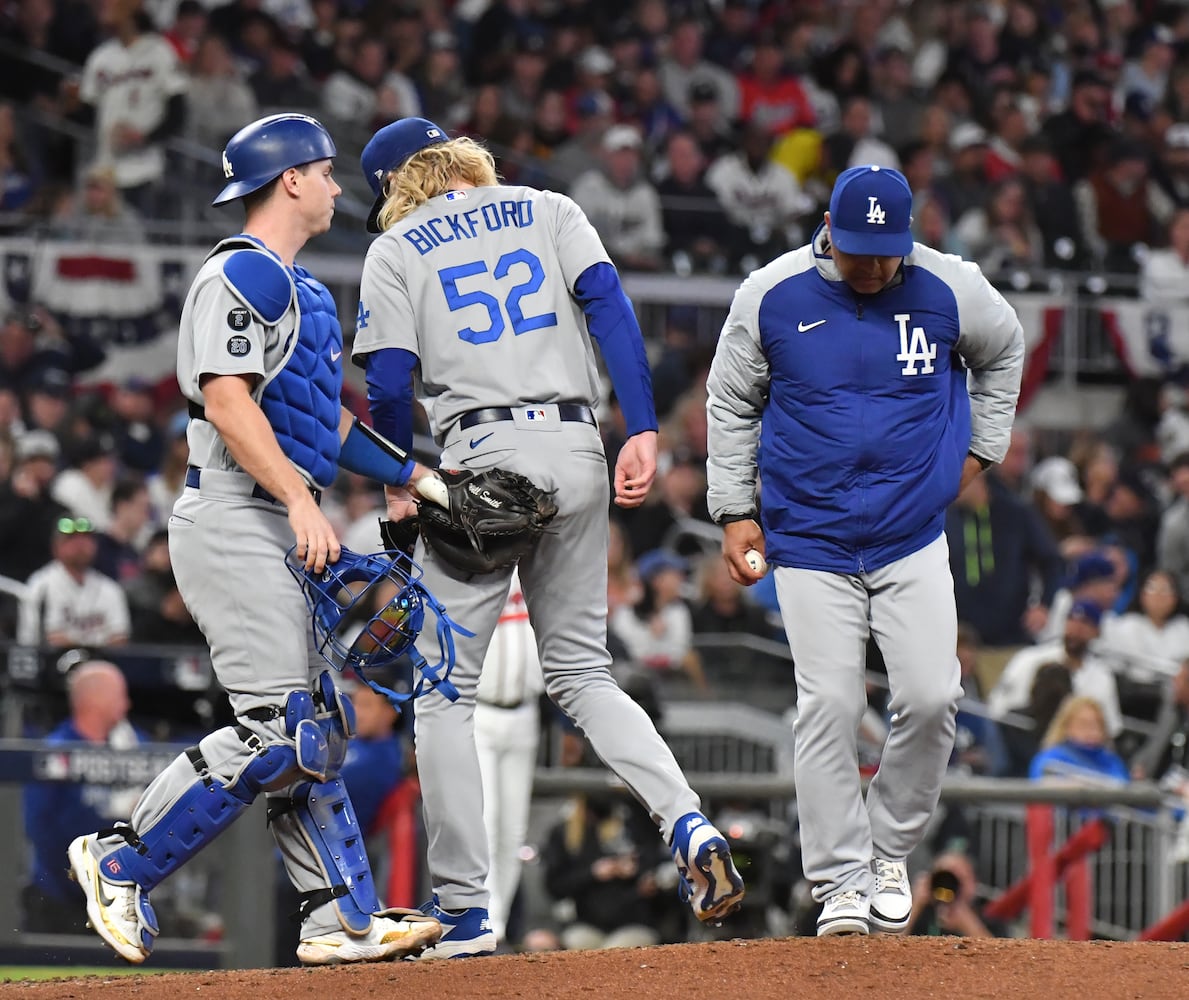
(368, 610)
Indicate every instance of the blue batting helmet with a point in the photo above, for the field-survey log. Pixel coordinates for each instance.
(262, 151)
(383, 591)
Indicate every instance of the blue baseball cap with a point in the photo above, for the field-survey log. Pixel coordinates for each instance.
(1086, 611)
(388, 149)
(871, 212)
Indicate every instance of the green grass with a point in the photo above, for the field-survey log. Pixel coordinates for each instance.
(13, 973)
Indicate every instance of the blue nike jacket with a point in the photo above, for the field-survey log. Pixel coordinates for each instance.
(857, 411)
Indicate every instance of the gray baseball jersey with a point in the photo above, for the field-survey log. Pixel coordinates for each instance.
(478, 284)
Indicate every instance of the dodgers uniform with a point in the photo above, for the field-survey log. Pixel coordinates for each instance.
(485, 288)
(855, 412)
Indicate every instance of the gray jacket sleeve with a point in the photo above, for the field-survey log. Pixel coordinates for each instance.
(991, 343)
(737, 391)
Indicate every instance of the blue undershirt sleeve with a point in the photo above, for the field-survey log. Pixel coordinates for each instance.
(613, 324)
(390, 394)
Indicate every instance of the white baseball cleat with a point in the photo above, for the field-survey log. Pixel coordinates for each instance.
(120, 914)
(844, 913)
(404, 934)
(891, 899)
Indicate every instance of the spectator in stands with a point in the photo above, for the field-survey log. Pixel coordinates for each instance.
(282, 80)
(1022, 733)
(645, 104)
(1094, 578)
(723, 607)
(1080, 135)
(117, 548)
(621, 203)
(1077, 745)
(140, 444)
(856, 142)
(166, 485)
(1004, 562)
(1147, 645)
(136, 89)
(1056, 493)
(761, 198)
(601, 857)
(693, 220)
(1011, 128)
(658, 631)
(966, 187)
(1172, 169)
(156, 609)
(1148, 71)
(945, 900)
(1120, 206)
(1002, 236)
(187, 29)
(55, 812)
(1164, 273)
(595, 115)
(47, 400)
(682, 66)
(357, 96)
(897, 101)
(1091, 674)
(523, 84)
(67, 602)
(102, 215)
(1052, 204)
(27, 511)
(440, 86)
(22, 357)
(706, 123)
(770, 96)
(318, 41)
(85, 486)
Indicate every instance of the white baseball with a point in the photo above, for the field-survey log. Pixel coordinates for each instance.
(756, 561)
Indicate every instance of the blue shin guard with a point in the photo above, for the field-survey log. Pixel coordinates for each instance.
(324, 818)
(203, 810)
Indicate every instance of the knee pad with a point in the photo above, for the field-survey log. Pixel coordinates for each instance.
(322, 815)
(204, 809)
(320, 724)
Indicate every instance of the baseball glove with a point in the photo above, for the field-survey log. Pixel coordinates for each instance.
(493, 518)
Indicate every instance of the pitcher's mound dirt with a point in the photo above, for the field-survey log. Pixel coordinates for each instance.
(876, 968)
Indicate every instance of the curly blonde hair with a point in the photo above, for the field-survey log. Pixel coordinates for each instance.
(429, 173)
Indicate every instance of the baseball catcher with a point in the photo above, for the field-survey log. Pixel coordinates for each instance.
(477, 522)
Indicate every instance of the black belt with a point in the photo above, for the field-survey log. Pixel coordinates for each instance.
(574, 413)
(194, 478)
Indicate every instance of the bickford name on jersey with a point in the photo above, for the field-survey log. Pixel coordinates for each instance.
(867, 416)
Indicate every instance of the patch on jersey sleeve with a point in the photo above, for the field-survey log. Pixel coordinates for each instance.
(237, 347)
(239, 318)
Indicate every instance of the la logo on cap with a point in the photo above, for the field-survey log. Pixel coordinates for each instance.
(875, 213)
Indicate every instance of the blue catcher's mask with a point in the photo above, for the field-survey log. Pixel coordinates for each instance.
(388, 586)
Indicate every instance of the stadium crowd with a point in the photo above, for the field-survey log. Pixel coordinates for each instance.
(699, 137)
